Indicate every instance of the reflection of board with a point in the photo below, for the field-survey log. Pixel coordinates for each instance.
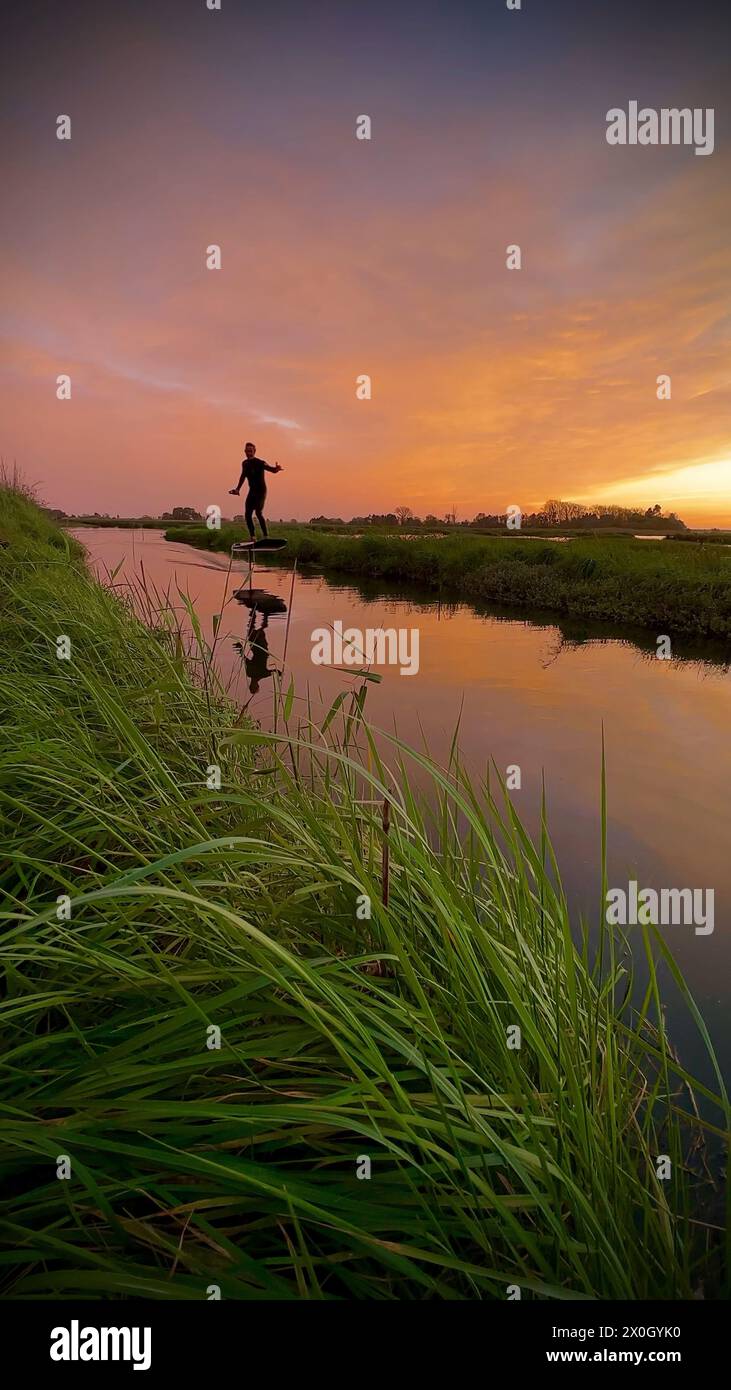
(266, 543)
(261, 601)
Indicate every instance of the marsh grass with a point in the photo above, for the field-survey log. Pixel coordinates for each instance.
(340, 1037)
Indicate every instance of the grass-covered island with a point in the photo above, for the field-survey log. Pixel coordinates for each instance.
(659, 584)
(230, 1063)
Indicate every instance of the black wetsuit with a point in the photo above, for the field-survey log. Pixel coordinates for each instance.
(253, 471)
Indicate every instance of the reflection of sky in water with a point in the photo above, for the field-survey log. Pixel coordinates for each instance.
(522, 695)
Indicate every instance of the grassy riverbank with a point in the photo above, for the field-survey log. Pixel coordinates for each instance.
(142, 910)
(657, 584)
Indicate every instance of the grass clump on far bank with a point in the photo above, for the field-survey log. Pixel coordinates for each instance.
(344, 1036)
(668, 587)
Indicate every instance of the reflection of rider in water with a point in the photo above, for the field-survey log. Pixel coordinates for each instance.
(255, 647)
(255, 664)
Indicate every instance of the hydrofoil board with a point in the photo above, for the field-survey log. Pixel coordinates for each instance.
(264, 544)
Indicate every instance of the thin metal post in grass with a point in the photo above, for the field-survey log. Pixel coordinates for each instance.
(284, 663)
(289, 612)
(384, 852)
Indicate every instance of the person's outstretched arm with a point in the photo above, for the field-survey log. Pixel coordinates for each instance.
(234, 491)
(273, 467)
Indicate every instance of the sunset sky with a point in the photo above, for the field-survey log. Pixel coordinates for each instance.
(342, 257)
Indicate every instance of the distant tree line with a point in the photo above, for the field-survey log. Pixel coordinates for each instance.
(553, 513)
(182, 514)
(177, 514)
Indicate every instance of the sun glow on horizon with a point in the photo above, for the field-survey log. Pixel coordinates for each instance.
(692, 489)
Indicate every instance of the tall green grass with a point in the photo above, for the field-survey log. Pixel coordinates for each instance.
(343, 1037)
(671, 588)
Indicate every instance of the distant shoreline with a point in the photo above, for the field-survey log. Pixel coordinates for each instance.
(716, 534)
(619, 579)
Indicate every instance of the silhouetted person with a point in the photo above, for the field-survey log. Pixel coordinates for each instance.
(253, 470)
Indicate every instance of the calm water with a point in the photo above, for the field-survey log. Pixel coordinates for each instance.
(526, 693)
